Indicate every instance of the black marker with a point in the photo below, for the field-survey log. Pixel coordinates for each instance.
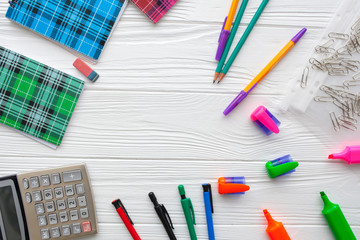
(163, 215)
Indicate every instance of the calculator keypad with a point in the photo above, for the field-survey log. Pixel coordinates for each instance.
(60, 202)
(45, 180)
(34, 182)
(55, 178)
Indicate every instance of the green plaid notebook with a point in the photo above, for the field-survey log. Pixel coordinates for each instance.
(36, 99)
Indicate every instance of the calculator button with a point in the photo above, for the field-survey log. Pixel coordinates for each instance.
(72, 176)
(86, 226)
(25, 183)
(45, 180)
(55, 177)
(80, 188)
(55, 232)
(63, 217)
(65, 230)
(53, 219)
(34, 182)
(82, 201)
(42, 221)
(50, 206)
(76, 228)
(84, 213)
(59, 192)
(39, 208)
(71, 203)
(45, 234)
(69, 190)
(61, 204)
(74, 215)
(48, 194)
(28, 198)
(37, 196)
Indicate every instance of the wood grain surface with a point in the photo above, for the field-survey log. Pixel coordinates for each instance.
(154, 120)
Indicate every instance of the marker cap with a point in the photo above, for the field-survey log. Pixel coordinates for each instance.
(281, 166)
(232, 185)
(265, 120)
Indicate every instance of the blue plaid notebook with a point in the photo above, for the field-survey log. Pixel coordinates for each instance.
(82, 25)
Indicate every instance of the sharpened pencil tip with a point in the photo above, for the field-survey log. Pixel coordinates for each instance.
(221, 77)
(216, 76)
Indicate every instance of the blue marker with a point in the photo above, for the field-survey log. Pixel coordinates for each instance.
(209, 210)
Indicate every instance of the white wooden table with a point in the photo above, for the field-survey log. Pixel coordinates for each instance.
(154, 121)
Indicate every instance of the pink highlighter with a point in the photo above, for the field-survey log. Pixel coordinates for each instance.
(351, 155)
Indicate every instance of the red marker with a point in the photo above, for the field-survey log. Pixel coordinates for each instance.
(125, 218)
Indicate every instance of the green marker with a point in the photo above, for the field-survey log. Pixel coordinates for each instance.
(188, 212)
(336, 220)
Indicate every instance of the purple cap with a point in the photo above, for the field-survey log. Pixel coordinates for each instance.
(235, 102)
(299, 35)
(222, 43)
(222, 28)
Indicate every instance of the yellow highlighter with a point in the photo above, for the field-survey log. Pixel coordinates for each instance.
(264, 72)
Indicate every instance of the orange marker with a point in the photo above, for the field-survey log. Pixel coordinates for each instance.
(275, 230)
(232, 185)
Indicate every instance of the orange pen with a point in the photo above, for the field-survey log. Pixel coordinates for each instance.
(275, 230)
(264, 72)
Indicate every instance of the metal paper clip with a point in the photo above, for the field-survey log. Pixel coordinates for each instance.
(334, 121)
(336, 35)
(356, 77)
(304, 77)
(315, 63)
(323, 99)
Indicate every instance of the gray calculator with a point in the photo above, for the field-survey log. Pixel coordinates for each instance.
(47, 204)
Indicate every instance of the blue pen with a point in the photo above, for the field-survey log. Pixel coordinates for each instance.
(209, 210)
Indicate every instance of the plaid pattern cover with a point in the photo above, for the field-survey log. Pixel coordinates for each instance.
(154, 9)
(34, 98)
(83, 25)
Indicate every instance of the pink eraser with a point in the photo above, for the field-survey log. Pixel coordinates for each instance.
(86, 70)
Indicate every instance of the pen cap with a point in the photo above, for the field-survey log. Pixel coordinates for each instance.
(336, 220)
(181, 190)
(117, 203)
(275, 230)
(232, 185)
(265, 120)
(153, 198)
(299, 35)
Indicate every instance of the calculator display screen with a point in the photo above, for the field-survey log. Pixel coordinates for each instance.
(11, 221)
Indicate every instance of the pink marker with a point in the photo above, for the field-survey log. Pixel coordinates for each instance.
(351, 155)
